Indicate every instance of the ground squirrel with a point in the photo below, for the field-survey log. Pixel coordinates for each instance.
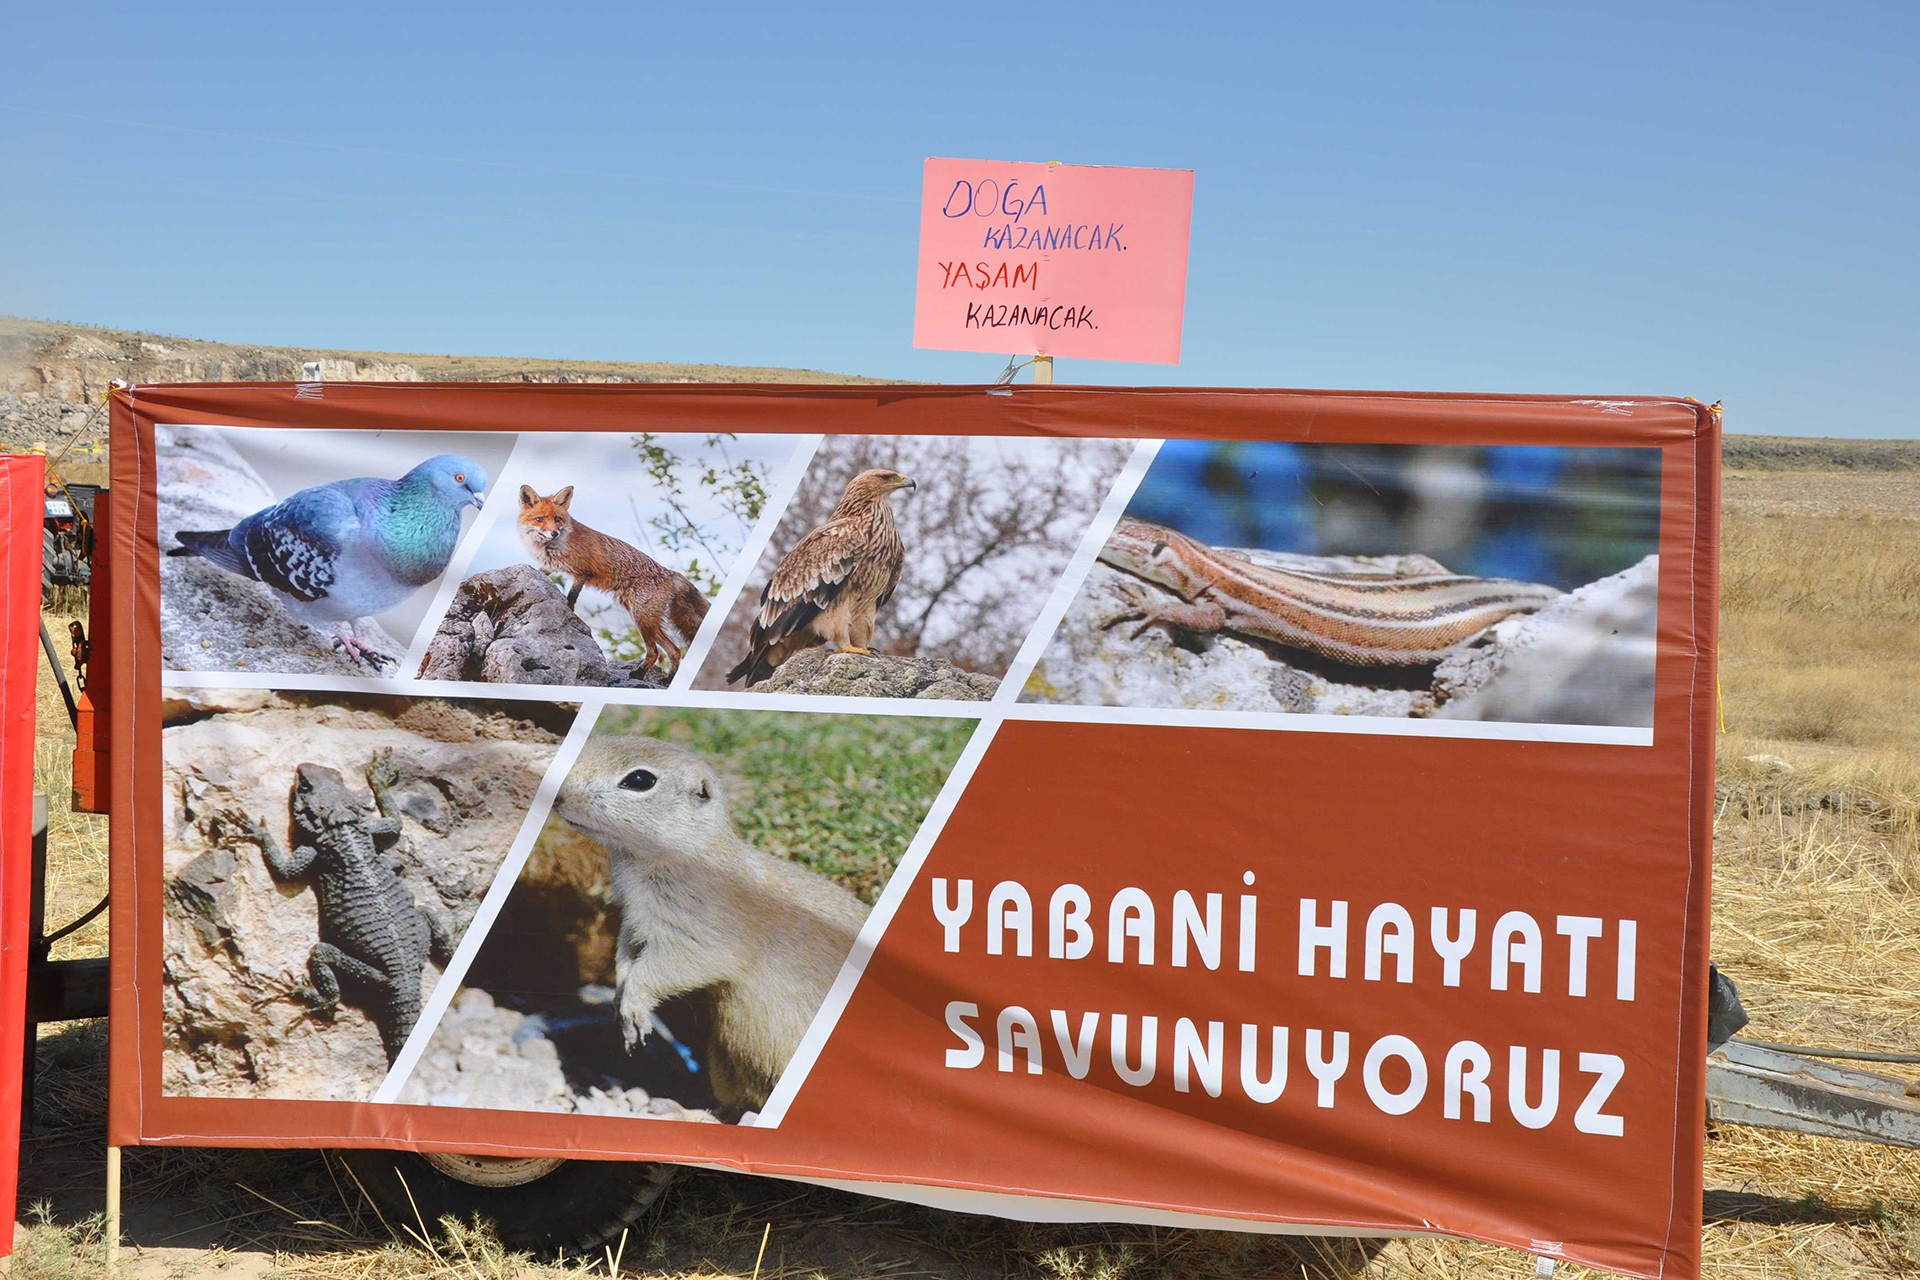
(703, 910)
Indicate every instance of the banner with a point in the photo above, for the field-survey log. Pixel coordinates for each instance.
(1269, 809)
(22, 513)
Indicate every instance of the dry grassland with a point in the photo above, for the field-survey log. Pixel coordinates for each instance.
(76, 842)
(1816, 915)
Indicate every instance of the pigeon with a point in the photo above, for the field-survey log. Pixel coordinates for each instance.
(351, 549)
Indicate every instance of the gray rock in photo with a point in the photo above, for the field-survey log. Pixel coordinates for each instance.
(1587, 658)
(483, 1055)
(513, 626)
(854, 675)
(1091, 663)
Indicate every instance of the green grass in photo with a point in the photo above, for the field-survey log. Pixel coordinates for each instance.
(842, 795)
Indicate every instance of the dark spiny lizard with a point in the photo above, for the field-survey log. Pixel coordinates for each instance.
(371, 930)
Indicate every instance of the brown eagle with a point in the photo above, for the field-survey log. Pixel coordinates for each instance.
(832, 583)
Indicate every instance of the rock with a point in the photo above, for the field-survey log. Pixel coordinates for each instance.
(483, 1055)
(212, 620)
(1088, 663)
(182, 704)
(27, 418)
(513, 626)
(1587, 658)
(237, 941)
(74, 364)
(479, 1057)
(632, 674)
(853, 675)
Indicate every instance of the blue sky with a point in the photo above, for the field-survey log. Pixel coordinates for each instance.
(1718, 201)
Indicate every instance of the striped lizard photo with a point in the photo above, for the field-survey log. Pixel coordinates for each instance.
(1418, 581)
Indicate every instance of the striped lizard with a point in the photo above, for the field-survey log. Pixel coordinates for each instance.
(1366, 620)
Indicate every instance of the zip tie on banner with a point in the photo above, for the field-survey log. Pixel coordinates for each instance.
(1005, 380)
(1720, 701)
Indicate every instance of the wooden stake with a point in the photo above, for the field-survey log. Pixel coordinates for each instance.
(1043, 371)
(113, 1208)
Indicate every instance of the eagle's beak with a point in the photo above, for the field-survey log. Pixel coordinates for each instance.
(906, 482)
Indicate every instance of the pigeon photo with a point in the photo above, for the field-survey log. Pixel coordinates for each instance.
(263, 574)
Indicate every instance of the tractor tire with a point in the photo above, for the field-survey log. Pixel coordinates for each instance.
(542, 1206)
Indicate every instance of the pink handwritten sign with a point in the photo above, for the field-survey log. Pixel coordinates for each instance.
(1053, 259)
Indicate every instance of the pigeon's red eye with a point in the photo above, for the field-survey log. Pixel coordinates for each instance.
(459, 477)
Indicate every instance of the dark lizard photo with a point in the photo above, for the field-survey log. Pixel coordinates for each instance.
(373, 933)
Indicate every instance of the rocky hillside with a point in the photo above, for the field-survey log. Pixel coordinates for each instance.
(52, 375)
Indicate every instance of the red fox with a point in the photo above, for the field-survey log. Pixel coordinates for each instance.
(665, 605)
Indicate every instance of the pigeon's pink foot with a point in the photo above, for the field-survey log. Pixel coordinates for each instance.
(357, 649)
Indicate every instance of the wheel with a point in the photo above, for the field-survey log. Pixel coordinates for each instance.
(541, 1205)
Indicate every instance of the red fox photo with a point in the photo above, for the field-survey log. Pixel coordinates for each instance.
(665, 605)
(602, 557)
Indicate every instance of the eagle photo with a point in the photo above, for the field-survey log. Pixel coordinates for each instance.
(910, 566)
(829, 588)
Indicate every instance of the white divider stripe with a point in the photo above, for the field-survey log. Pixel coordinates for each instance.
(778, 499)
(302, 682)
(1125, 485)
(820, 704)
(504, 880)
(895, 892)
(905, 874)
(463, 555)
(711, 698)
(1306, 722)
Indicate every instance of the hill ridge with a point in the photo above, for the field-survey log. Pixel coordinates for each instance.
(73, 362)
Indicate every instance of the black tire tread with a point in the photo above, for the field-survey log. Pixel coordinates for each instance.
(580, 1206)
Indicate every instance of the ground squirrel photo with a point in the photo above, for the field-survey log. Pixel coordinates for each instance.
(691, 900)
(703, 910)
